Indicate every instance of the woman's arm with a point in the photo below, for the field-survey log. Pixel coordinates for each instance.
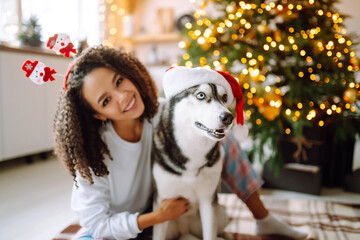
(92, 204)
(169, 209)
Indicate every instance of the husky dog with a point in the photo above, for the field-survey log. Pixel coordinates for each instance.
(187, 160)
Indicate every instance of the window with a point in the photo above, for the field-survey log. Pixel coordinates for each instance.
(77, 18)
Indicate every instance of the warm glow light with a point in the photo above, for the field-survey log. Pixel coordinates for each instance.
(182, 44)
(188, 64)
(224, 60)
(216, 63)
(201, 40)
(113, 31)
(186, 56)
(216, 52)
(113, 7)
(252, 62)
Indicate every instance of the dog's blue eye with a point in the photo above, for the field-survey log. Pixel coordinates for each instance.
(200, 96)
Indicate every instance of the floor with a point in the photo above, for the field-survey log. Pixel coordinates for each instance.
(35, 199)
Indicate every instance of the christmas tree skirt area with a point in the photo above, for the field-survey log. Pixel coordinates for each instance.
(320, 219)
(294, 177)
(312, 162)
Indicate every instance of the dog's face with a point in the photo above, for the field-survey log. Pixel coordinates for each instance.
(204, 109)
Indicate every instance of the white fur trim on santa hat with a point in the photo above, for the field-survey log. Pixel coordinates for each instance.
(177, 79)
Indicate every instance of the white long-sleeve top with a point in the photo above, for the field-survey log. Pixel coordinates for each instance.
(109, 207)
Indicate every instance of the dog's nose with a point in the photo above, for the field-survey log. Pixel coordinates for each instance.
(226, 118)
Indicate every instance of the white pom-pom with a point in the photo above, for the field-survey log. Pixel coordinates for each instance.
(240, 132)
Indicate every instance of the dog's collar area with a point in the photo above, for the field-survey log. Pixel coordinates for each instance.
(217, 133)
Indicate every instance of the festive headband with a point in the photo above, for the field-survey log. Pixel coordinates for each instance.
(38, 72)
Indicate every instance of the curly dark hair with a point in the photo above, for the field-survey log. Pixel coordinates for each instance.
(77, 138)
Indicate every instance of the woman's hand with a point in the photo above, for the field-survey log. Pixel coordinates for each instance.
(169, 209)
(172, 208)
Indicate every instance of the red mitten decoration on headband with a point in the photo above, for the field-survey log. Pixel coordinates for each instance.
(38, 72)
(61, 43)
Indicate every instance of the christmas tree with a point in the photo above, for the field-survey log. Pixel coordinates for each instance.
(31, 34)
(294, 61)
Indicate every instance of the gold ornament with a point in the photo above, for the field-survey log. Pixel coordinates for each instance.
(205, 46)
(349, 95)
(277, 35)
(269, 106)
(354, 61)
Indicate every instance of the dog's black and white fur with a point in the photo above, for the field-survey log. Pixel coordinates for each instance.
(187, 160)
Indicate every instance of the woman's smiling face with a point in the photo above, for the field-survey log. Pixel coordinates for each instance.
(112, 96)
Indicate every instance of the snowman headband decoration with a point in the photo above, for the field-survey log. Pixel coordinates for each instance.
(38, 72)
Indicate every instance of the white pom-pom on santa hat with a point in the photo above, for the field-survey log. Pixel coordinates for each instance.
(177, 79)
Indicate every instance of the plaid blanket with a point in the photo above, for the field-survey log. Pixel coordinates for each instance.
(321, 219)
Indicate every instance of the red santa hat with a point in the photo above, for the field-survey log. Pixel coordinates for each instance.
(29, 67)
(177, 79)
(51, 42)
